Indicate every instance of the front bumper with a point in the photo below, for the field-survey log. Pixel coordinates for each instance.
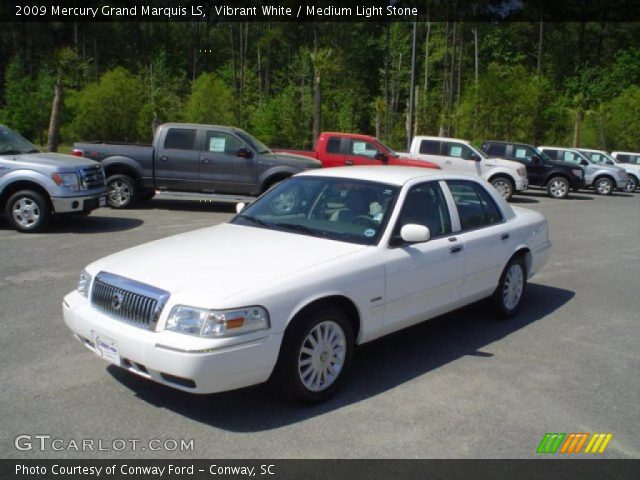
(84, 203)
(522, 184)
(191, 364)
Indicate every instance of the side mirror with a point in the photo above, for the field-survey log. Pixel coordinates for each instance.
(412, 233)
(475, 157)
(243, 152)
(536, 160)
(240, 206)
(380, 156)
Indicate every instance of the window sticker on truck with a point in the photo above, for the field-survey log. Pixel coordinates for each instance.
(217, 145)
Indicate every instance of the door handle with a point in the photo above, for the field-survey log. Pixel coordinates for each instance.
(456, 249)
(348, 162)
(205, 160)
(164, 158)
(505, 236)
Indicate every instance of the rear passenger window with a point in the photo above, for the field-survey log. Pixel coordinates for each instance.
(180, 138)
(571, 158)
(333, 145)
(496, 150)
(623, 158)
(475, 206)
(553, 154)
(430, 147)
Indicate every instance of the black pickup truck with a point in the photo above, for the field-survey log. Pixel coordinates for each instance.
(212, 160)
(557, 177)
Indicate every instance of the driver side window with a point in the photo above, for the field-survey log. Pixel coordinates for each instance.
(362, 148)
(458, 150)
(425, 205)
(218, 142)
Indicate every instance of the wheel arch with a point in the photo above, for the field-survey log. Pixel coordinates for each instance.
(554, 174)
(525, 252)
(344, 303)
(18, 185)
(268, 178)
(121, 166)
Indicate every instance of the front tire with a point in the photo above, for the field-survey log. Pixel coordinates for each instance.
(28, 211)
(316, 353)
(558, 187)
(504, 186)
(122, 191)
(604, 186)
(508, 296)
(632, 185)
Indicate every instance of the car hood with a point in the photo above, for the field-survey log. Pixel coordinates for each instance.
(297, 160)
(220, 261)
(54, 160)
(502, 162)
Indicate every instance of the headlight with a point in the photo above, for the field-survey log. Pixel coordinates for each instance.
(66, 180)
(577, 172)
(522, 171)
(84, 283)
(217, 323)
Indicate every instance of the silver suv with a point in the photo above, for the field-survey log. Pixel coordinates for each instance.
(35, 185)
(604, 178)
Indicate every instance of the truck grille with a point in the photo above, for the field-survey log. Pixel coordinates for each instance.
(92, 176)
(128, 300)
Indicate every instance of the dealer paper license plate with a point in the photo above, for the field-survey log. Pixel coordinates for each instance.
(107, 348)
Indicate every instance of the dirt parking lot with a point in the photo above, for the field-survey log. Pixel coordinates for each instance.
(460, 386)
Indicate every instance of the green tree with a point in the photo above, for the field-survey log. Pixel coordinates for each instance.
(108, 109)
(623, 122)
(211, 101)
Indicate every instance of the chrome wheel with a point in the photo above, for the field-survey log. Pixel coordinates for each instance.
(558, 188)
(120, 193)
(513, 286)
(322, 356)
(632, 184)
(503, 186)
(604, 186)
(26, 212)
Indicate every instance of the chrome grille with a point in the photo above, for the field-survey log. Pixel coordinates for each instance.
(128, 300)
(92, 176)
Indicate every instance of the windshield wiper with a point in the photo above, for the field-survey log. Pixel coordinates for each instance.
(34, 150)
(300, 228)
(255, 220)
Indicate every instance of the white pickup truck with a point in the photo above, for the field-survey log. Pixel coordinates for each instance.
(457, 155)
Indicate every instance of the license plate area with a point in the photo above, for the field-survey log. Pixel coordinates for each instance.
(106, 348)
(102, 201)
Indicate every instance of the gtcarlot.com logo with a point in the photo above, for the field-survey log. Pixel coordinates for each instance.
(574, 443)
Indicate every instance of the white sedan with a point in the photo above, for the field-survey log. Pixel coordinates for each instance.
(320, 263)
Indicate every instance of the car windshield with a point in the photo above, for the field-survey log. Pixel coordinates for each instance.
(479, 151)
(253, 142)
(340, 209)
(392, 152)
(12, 143)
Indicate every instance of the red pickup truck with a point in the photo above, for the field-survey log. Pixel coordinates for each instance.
(339, 149)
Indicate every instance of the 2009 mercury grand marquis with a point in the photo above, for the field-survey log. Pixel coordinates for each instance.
(323, 261)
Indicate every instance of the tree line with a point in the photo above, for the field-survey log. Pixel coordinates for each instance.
(571, 83)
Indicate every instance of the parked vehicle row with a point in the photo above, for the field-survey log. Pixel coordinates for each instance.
(602, 157)
(369, 250)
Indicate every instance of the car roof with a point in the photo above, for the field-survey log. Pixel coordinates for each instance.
(558, 148)
(591, 150)
(442, 139)
(349, 135)
(503, 142)
(225, 128)
(625, 153)
(390, 174)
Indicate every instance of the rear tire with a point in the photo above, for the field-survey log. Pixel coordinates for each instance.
(603, 186)
(122, 191)
(508, 296)
(316, 353)
(504, 186)
(28, 211)
(558, 187)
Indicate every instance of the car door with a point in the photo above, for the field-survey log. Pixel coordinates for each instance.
(485, 235)
(423, 279)
(333, 155)
(360, 152)
(221, 169)
(177, 159)
(458, 158)
(536, 168)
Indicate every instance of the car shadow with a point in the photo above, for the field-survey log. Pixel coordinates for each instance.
(185, 205)
(85, 225)
(377, 367)
(521, 199)
(543, 194)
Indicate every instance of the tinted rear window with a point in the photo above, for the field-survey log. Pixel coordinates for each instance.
(430, 147)
(180, 138)
(496, 149)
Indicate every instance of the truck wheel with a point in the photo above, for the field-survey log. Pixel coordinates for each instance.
(558, 187)
(315, 355)
(632, 185)
(121, 191)
(28, 211)
(604, 186)
(504, 185)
